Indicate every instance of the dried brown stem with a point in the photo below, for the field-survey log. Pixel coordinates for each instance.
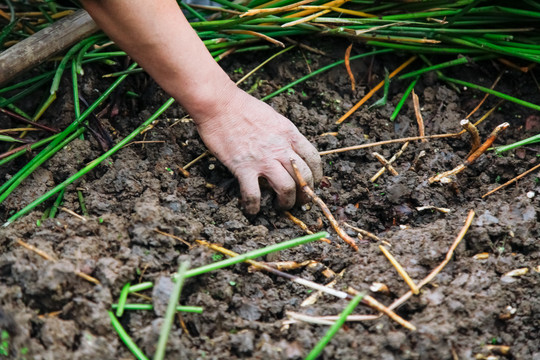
(444, 177)
(174, 237)
(418, 114)
(363, 232)
(192, 162)
(387, 165)
(401, 271)
(374, 304)
(72, 213)
(512, 181)
(48, 257)
(303, 226)
(342, 234)
(386, 142)
(391, 161)
(30, 122)
(482, 149)
(473, 132)
(348, 67)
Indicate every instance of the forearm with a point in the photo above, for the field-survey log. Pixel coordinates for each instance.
(157, 35)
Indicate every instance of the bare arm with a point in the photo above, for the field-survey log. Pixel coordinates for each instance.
(248, 136)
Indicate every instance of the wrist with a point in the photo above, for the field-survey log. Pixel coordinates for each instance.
(210, 99)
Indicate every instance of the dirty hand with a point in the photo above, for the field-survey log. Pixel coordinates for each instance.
(254, 141)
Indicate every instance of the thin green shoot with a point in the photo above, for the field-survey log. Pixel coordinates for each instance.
(382, 101)
(241, 258)
(531, 140)
(126, 339)
(150, 307)
(332, 331)
(11, 184)
(171, 310)
(7, 138)
(492, 92)
(25, 150)
(82, 203)
(403, 99)
(122, 300)
(54, 209)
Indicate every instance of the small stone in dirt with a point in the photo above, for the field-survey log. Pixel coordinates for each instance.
(396, 339)
(243, 342)
(486, 219)
(249, 311)
(56, 331)
(161, 293)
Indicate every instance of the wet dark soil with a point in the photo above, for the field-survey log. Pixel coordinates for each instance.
(50, 313)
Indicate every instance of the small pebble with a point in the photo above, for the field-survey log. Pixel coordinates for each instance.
(530, 194)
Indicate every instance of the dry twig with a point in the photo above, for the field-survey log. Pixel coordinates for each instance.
(348, 67)
(473, 132)
(303, 226)
(401, 271)
(391, 161)
(342, 234)
(48, 257)
(512, 180)
(387, 165)
(418, 114)
(445, 176)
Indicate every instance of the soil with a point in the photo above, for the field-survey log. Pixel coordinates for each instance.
(50, 313)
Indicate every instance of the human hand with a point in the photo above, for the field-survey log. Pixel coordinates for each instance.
(253, 140)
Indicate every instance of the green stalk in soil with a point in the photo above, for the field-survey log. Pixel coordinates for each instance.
(403, 99)
(492, 92)
(150, 307)
(82, 203)
(171, 310)
(126, 339)
(56, 205)
(531, 140)
(241, 258)
(332, 331)
(122, 300)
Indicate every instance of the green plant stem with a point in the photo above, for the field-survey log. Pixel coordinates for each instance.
(90, 166)
(531, 140)
(126, 339)
(171, 310)
(29, 90)
(188, 309)
(439, 73)
(492, 92)
(323, 69)
(48, 75)
(404, 98)
(122, 300)
(56, 205)
(459, 61)
(191, 10)
(238, 259)
(84, 210)
(335, 327)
